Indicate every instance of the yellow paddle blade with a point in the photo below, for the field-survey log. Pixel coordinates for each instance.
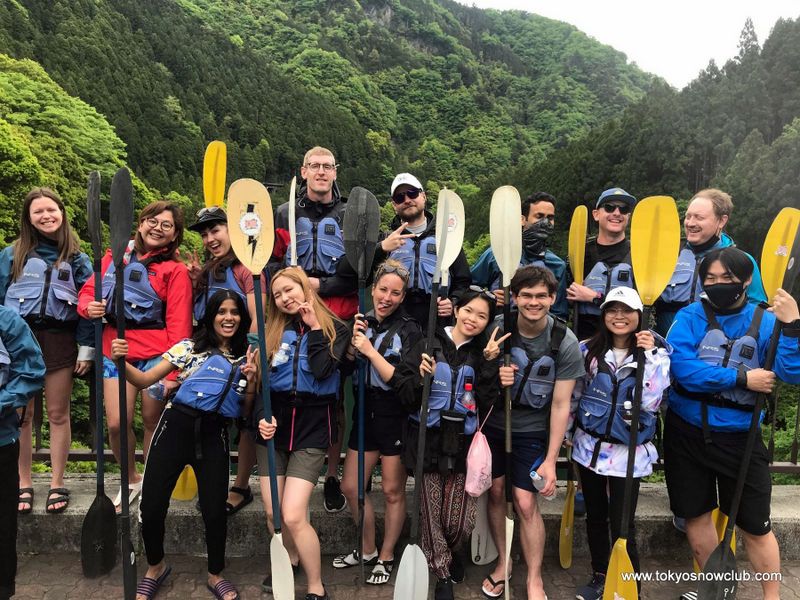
(505, 230)
(576, 252)
(214, 166)
(655, 243)
(186, 487)
(455, 229)
(777, 249)
(250, 223)
(565, 534)
(720, 520)
(620, 584)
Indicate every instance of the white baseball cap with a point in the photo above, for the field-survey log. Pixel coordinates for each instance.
(627, 296)
(405, 179)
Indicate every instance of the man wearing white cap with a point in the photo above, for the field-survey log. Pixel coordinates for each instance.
(413, 243)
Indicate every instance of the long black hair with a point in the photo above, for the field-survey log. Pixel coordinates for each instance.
(602, 340)
(205, 338)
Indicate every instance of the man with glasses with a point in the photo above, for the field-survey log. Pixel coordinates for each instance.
(608, 258)
(538, 219)
(319, 214)
(413, 243)
(545, 363)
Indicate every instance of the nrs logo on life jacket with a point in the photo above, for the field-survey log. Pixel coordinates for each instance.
(320, 246)
(44, 293)
(217, 386)
(144, 309)
(418, 256)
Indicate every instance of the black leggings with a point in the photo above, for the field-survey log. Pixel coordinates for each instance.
(604, 496)
(9, 488)
(172, 448)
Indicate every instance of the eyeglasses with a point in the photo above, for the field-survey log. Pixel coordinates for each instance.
(624, 209)
(154, 223)
(401, 272)
(485, 294)
(619, 311)
(210, 210)
(400, 197)
(327, 167)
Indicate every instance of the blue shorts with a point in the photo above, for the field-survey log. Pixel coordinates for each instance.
(110, 367)
(527, 449)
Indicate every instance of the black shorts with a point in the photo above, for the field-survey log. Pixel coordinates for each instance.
(696, 472)
(382, 433)
(526, 450)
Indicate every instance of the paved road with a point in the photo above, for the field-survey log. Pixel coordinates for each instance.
(57, 576)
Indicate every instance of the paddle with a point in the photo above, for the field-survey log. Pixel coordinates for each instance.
(482, 550)
(99, 530)
(120, 224)
(576, 253)
(360, 230)
(655, 241)
(506, 236)
(214, 168)
(412, 574)
(292, 224)
(779, 269)
(252, 239)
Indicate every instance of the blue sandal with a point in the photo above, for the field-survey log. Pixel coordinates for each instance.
(148, 587)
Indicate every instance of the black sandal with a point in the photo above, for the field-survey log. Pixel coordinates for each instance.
(61, 496)
(28, 499)
(247, 498)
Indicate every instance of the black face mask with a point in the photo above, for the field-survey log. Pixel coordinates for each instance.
(534, 238)
(724, 295)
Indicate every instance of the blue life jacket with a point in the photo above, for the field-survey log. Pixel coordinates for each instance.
(418, 256)
(389, 345)
(217, 386)
(227, 283)
(144, 309)
(290, 374)
(320, 246)
(44, 294)
(535, 378)
(603, 279)
(496, 284)
(5, 364)
(447, 391)
(684, 286)
(600, 411)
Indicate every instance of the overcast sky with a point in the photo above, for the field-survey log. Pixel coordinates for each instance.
(674, 38)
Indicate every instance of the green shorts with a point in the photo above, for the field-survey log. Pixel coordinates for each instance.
(302, 464)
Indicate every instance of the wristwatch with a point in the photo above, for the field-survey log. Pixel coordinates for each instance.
(598, 299)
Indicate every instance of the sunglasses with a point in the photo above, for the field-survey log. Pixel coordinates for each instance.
(624, 209)
(210, 210)
(484, 293)
(401, 272)
(400, 197)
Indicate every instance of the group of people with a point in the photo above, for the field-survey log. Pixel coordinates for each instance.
(189, 351)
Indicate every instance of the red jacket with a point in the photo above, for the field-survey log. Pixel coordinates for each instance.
(170, 280)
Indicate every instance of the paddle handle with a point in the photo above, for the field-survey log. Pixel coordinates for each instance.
(265, 399)
(98, 381)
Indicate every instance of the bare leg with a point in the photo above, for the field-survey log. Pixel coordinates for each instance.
(497, 527)
(266, 499)
(765, 556)
(394, 489)
(57, 392)
(111, 400)
(532, 539)
(294, 507)
(350, 490)
(702, 537)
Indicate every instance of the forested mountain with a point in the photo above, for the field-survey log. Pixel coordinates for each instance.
(454, 93)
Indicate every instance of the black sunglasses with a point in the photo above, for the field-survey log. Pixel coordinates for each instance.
(624, 209)
(209, 210)
(485, 294)
(400, 197)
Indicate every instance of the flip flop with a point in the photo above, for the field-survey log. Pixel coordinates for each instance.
(28, 499)
(247, 498)
(57, 496)
(134, 489)
(148, 587)
(494, 583)
(223, 587)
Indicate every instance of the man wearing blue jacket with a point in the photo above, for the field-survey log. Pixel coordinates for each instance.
(21, 376)
(538, 220)
(719, 345)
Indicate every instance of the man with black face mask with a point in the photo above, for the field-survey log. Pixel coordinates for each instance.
(719, 345)
(538, 220)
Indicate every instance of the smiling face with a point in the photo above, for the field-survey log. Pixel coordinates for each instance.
(615, 222)
(620, 319)
(701, 223)
(216, 240)
(388, 293)
(473, 317)
(227, 320)
(409, 210)
(533, 303)
(288, 295)
(46, 216)
(319, 171)
(157, 231)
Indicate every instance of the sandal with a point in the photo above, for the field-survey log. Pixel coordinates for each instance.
(381, 572)
(247, 498)
(494, 584)
(351, 560)
(134, 489)
(57, 496)
(25, 497)
(148, 587)
(222, 588)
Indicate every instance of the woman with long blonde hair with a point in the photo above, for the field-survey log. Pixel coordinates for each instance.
(306, 346)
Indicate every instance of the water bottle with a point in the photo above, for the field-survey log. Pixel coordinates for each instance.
(627, 412)
(468, 399)
(282, 355)
(538, 483)
(156, 391)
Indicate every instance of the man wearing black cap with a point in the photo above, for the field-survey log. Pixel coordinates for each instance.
(608, 258)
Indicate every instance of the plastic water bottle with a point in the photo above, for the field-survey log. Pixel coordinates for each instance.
(156, 391)
(627, 412)
(468, 399)
(538, 483)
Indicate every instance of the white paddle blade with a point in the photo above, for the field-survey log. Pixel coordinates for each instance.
(505, 230)
(483, 550)
(292, 224)
(411, 582)
(509, 539)
(449, 210)
(281, 567)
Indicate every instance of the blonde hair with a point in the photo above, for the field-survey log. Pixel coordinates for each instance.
(720, 201)
(317, 150)
(392, 267)
(277, 320)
